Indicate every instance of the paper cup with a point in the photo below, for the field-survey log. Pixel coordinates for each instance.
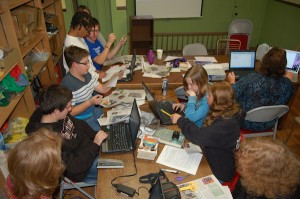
(159, 53)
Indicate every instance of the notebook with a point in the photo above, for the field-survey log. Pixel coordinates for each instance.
(129, 76)
(156, 107)
(242, 62)
(122, 136)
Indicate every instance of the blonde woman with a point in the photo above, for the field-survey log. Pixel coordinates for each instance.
(268, 169)
(35, 166)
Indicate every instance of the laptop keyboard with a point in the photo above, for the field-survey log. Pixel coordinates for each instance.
(118, 136)
(240, 74)
(167, 106)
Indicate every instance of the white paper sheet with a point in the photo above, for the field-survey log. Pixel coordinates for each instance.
(206, 59)
(178, 158)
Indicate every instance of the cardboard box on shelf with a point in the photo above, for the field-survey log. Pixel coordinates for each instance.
(25, 20)
(11, 57)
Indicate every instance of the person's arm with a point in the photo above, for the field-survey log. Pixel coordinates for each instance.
(116, 49)
(192, 112)
(95, 100)
(100, 59)
(231, 77)
(215, 135)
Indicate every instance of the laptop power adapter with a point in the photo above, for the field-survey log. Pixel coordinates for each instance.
(128, 191)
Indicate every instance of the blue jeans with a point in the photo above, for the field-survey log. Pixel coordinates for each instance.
(92, 175)
(93, 120)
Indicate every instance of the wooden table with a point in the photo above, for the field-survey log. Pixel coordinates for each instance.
(144, 167)
(174, 79)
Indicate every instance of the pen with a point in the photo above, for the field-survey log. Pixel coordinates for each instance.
(171, 171)
(165, 112)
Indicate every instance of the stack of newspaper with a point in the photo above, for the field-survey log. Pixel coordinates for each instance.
(148, 148)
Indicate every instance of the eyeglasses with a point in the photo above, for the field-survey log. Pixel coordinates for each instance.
(94, 31)
(84, 63)
(67, 107)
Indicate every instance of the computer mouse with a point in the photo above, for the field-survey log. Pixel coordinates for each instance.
(175, 135)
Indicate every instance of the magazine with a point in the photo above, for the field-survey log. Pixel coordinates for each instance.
(204, 188)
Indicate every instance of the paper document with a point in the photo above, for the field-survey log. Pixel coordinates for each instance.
(177, 158)
(156, 71)
(204, 188)
(113, 70)
(206, 59)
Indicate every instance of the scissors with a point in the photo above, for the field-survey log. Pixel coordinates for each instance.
(179, 179)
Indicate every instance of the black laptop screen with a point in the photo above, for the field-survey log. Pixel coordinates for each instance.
(242, 60)
(134, 122)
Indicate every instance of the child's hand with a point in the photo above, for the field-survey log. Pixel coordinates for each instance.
(175, 118)
(96, 100)
(190, 93)
(100, 136)
(231, 77)
(111, 38)
(177, 106)
(102, 74)
(123, 40)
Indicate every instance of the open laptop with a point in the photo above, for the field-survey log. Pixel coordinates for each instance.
(293, 63)
(129, 76)
(122, 136)
(156, 107)
(242, 62)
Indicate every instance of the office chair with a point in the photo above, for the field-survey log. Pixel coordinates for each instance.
(265, 114)
(241, 29)
(67, 184)
(224, 46)
(194, 49)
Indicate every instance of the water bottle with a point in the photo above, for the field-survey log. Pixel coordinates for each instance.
(150, 56)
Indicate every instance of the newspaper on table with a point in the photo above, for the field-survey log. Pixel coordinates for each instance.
(204, 188)
(125, 59)
(156, 71)
(123, 96)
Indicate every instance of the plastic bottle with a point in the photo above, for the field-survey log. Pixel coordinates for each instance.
(150, 56)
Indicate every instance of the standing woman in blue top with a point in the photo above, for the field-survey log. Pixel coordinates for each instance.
(195, 83)
(272, 85)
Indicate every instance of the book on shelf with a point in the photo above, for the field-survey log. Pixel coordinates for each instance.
(110, 163)
(148, 147)
(166, 137)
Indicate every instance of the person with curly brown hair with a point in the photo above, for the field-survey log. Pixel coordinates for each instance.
(220, 133)
(268, 169)
(272, 85)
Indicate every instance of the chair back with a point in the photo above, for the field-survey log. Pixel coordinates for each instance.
(224, 46)
(261, 50)
(241, 29)
(194, 49)
(266, 113)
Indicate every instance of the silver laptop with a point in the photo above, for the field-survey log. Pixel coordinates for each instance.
(293, 63)
(122, 136)
(242, 62)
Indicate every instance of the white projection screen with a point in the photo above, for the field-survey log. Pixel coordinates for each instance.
(169, 8)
